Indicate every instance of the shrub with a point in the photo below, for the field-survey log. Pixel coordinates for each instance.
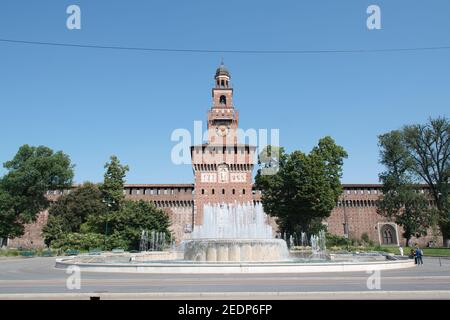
(9, 252)
(125, 225)
(365, 237)
(78, 241)
(334, 240)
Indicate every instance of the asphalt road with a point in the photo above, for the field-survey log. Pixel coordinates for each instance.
(38, 276)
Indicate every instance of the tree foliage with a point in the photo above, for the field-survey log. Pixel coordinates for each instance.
(30, 174)
(70, 211)
(94, 216)
(420, 153)
(128, 222)
(305, 187)
(113, 183)
(401, 200)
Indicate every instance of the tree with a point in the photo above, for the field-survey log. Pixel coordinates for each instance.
(70, 211)
(425, 156)
(127, 223)
(333, 157)
(429, 148)
(401, 199)
(306, 187)
(95, 216)
(113, 183)
(31, 173)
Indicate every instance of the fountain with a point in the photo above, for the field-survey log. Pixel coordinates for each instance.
(234, 233)
(234, 238)
(154, 241)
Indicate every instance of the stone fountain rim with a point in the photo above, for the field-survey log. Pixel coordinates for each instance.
(241, 267)
(235, 239)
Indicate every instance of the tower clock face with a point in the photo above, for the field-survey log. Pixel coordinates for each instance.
(222, 130)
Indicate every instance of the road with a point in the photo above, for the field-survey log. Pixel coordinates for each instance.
(37, 277)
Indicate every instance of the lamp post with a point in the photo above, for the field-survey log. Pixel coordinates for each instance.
(346, 235)
(345, 218)
(109, 204)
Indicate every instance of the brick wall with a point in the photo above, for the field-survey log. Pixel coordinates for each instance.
(179, 202)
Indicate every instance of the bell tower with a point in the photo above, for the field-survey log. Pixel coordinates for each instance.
(222, 167)
(223, 118)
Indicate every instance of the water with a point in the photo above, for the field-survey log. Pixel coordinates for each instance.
(233, 221)
(318, 245)
(234, 233)
(154, 241)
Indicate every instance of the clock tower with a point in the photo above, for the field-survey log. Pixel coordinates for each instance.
(222, 167)
(222, 118)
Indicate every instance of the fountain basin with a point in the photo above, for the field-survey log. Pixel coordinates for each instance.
(235, 250)
(231, 268)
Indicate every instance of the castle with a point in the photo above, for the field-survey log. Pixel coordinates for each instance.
(223, 174)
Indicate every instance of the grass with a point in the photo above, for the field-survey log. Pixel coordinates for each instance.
(445, 252)
(13, 252)
(437, 252)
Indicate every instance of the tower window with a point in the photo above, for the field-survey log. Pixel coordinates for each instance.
(222, 83)
(223, 100)
(203, 191)
(223, 191)
(243, 191)
(234, 191)
(212, 191)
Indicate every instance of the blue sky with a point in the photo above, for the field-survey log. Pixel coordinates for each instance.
(93, 103)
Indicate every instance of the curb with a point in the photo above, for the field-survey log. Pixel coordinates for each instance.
(327, 295)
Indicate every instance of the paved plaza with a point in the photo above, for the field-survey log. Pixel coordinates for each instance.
(36, 278)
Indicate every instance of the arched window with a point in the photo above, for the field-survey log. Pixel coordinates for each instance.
(222, 83)
(223, 191)
(388, 234)
(203, 191)
(212, 191)
(243, 191)
(234, 191)
(223, 100)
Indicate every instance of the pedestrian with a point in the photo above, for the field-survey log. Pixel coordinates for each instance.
(418, 254)
(412, 254)
(401, 250)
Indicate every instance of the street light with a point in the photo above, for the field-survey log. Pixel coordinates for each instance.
(345, 218)
(109, 204)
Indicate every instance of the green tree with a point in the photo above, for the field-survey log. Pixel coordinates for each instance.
(30, 174)
(429, 148)
(425, 149)
(127, 223)
(70, 211)
(113, 183)
(401, 200)
(305, 188)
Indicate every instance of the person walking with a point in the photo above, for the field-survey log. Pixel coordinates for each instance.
(401, 250)
(418, 254)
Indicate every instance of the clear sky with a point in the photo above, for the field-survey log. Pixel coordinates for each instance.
(92, 103)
